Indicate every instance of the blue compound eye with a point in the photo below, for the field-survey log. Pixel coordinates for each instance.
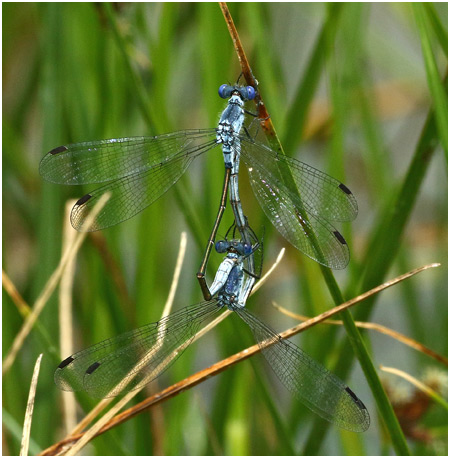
(221, 246)
(225, 91)
(250, 92)
(247, 248)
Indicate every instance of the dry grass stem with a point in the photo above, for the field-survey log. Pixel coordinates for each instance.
(176, 275)
(263, 115)
(356, 300)
(50, 286)
(22, 306)
(243, 61)
(87, 419)
(65, 314)
(268, 273)
(93, 431)
(29, 410)
(376, 327)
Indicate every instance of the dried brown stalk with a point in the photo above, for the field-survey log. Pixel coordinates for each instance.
(29, 410)
(65, 318)
(376, 327)
(263, 115)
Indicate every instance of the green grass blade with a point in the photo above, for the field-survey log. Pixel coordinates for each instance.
(437, 26)
(381, 250)
(296, 116)
(437, 90)
(150, 115)
(15, 430)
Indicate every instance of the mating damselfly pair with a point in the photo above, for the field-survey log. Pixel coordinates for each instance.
(136, 171)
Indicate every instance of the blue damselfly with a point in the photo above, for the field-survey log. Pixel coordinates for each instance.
(133, 359)
(139, 170)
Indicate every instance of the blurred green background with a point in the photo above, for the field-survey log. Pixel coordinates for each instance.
(349, 88)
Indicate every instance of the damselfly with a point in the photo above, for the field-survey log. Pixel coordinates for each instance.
(301, 202)
(133, 359)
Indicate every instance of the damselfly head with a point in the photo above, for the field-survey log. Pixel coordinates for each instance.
(247, 248)
(222, 246)
(245, 92)
(234, 246)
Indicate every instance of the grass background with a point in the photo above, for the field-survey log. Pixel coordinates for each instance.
(349, 88)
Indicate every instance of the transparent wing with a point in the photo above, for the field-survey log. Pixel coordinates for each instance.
(315, 386)
(129, 195)
(106, 160)
(303, 220)
(321, 194)
(131, 360)
(137, 171)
